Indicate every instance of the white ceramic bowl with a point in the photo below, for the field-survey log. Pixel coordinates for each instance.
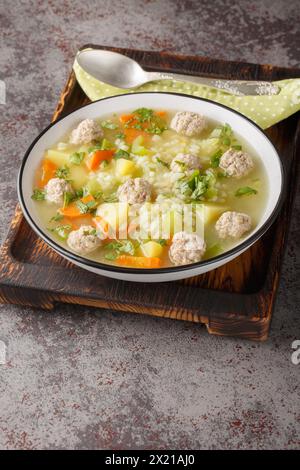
(242, 126)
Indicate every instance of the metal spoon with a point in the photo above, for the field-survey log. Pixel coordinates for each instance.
(122, 72)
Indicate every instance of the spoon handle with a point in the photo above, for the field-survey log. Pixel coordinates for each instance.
(235, 87)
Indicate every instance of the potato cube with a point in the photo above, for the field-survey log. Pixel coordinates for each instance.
(152, 249)
(125, 167)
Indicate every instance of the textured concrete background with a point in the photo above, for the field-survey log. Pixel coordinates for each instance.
(82, 378)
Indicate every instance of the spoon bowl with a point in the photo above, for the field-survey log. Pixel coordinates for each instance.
(112, 68)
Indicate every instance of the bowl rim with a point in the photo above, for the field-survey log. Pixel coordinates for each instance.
(164, 270)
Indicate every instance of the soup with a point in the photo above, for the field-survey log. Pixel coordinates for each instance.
(150, 188)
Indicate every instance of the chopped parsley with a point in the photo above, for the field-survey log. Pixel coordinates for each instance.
(86, 207)
(120, 136)
(236, 147)
(38, 195)
(68, 197)
(201, 186)
(97, 146)
(93, 231)
(76, 158)
(62, 231)
(167, 165)
(109, 125)
(115, 248)
(245, 191)
(196, 186)
(215, 159)
(145, 114)
(63, 172)
(145, 119)
(110, 198)
(226, 141)
(181, 164)
(106, 145)
(79, 193)
(57, 217)
(122, 154)
(104, 164)
(103, 145)
(137, 126)
(111, 256)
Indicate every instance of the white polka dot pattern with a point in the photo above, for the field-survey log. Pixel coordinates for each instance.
(266, 111)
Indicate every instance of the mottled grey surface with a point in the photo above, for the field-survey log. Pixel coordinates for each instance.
(82, 378)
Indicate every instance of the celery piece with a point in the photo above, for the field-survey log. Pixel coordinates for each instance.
(137, 146)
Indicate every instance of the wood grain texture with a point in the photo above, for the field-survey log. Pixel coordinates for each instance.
(235, 299)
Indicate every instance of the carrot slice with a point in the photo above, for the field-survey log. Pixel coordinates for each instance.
(161, 114)
(48, 170)
(125, 118)
(138, 261)
(131, 134)
(73, 211)
(97, 157)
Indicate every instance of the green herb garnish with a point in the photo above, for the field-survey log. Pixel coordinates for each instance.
(110, 198)
(109, 125)
(145, 114)
(245, 191)
(162, 242)
(201, 186)
(181, 164)
(57, 217)
(68, 197)
(112, 256)
(97, 146)
(118, 247)
(215, 159)
(196, 186)
(138, 126)
(93, 231)
(106, 145)
(236, 147)
(98, 195)
(63, 172)
(122, 154)
(62, 231)
(167, 165)
(79, 193)
(76, 158)
(104, 164)
(226, 141)
(120, 136)
(225, 135)
(38, 195)
(85, 207)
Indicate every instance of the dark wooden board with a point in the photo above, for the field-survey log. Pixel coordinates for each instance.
(236, 299)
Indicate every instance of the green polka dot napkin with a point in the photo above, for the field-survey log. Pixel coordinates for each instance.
(264, 110)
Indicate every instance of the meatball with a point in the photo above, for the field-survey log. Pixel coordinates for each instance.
(55, 189)
(135, 191)
(84, 240)
(236, 163)
(186, 248)
(233, 224)
(188, 123)
(185, 162)
(85, 132)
